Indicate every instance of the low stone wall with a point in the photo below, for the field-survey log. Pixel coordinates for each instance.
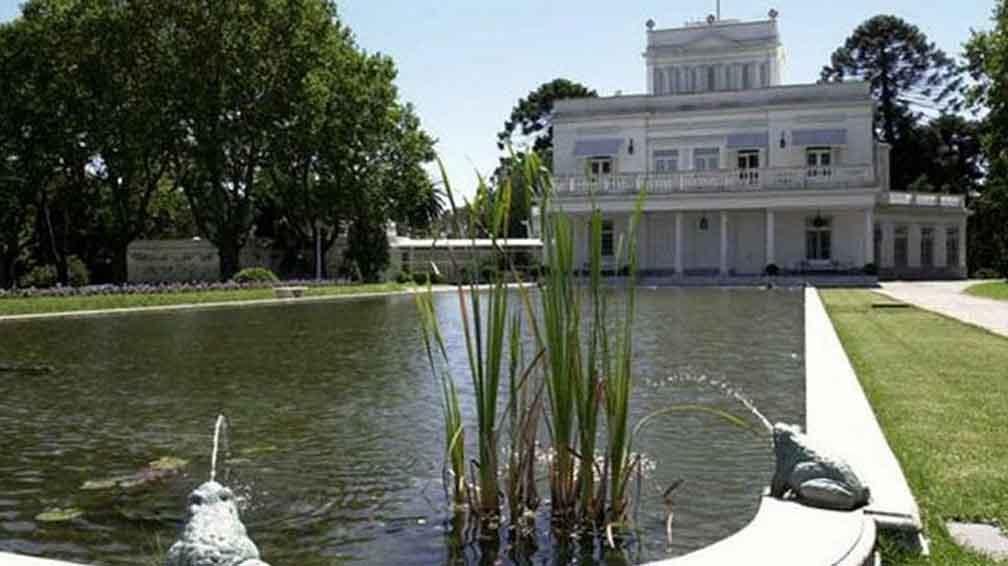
(167, 261)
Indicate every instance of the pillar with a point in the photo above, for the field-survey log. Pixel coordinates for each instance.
(771, 253)
(869, 230)
(724, 243)
(678, 259)
(914, 244)
(962, 245)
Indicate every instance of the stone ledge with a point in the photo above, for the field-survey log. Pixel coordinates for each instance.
(785, 533)
(19, 560)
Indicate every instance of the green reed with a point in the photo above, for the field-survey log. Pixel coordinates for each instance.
(578, 370)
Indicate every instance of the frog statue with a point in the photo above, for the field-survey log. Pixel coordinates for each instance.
(813, 476)
(213, 533)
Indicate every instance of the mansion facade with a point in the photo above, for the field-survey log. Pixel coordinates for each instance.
(741, 172)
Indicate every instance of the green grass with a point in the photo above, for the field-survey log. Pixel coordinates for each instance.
(940, 392)
(991, 290)
(38, 305)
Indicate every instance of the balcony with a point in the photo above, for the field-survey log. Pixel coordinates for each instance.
(922, 199)
(721, 180)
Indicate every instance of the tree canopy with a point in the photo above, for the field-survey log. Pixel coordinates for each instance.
(910, 77)
(226, 118)
(987, 53)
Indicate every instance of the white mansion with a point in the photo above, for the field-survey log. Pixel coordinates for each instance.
(742, 172)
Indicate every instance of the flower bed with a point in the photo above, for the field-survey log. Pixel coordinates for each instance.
(160, 288)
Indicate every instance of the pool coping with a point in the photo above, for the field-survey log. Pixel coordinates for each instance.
(838, 415)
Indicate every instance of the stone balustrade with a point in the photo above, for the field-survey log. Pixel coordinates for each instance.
(721, 180)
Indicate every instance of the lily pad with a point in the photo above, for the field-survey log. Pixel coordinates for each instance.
(168, 464)
(56, 515)
(96, 485)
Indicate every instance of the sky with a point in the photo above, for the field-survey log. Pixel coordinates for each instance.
(465, 63)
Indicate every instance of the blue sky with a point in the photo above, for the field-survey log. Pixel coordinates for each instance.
(464, 63)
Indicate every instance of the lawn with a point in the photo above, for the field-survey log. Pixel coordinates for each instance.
(940, 391)
(991, 290)
(36, 305)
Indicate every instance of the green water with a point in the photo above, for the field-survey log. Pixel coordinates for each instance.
(335, 436)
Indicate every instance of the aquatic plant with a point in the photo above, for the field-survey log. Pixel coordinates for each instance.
(579, 369)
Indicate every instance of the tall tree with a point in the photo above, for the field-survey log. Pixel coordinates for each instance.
(907, 74)
(530, 126)
(227, 83)
(987, 53)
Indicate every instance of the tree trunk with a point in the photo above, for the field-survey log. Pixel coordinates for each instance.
(120, 262)
(229, 252)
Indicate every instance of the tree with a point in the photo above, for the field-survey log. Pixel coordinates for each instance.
(906, 72)
(132, 136)
(987, 53)
(530, 126)
(946, 155)
(227, 85)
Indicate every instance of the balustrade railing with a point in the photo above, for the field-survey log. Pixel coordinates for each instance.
(922, 199)
(766, 179)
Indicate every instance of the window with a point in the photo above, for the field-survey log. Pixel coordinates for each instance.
(600, 166)
(711, 79)
(927, 247)
(901, 246)
(666, 161)
(748, 164)
(706, 158)
(819, 160)
(747, 73)
(818, 238)
(952, 246)
(607, 238)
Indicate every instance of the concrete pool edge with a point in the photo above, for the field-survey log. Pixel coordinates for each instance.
(839, 415)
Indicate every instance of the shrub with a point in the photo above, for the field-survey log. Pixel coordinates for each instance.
(40, 277)
(255, 275)
(403, 277)
(870, 269)
(772, 270)
(77, 272)
(986, 273)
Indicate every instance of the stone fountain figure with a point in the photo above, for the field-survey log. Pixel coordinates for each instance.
(213, 534)
(813, 476)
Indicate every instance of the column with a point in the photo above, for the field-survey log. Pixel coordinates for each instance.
(724, 243)
(914, 243)
(770, 242)
(962, 245)
(869, 242)
(888, 243)
(678, 243)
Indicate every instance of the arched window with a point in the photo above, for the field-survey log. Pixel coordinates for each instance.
(711, 78)
(747, 76)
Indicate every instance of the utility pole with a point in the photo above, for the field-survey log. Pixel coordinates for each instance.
(718, 10)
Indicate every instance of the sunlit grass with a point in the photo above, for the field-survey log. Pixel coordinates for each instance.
(991, 290)
(939, 390)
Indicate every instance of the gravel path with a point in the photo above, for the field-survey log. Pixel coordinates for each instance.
(948, 298)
